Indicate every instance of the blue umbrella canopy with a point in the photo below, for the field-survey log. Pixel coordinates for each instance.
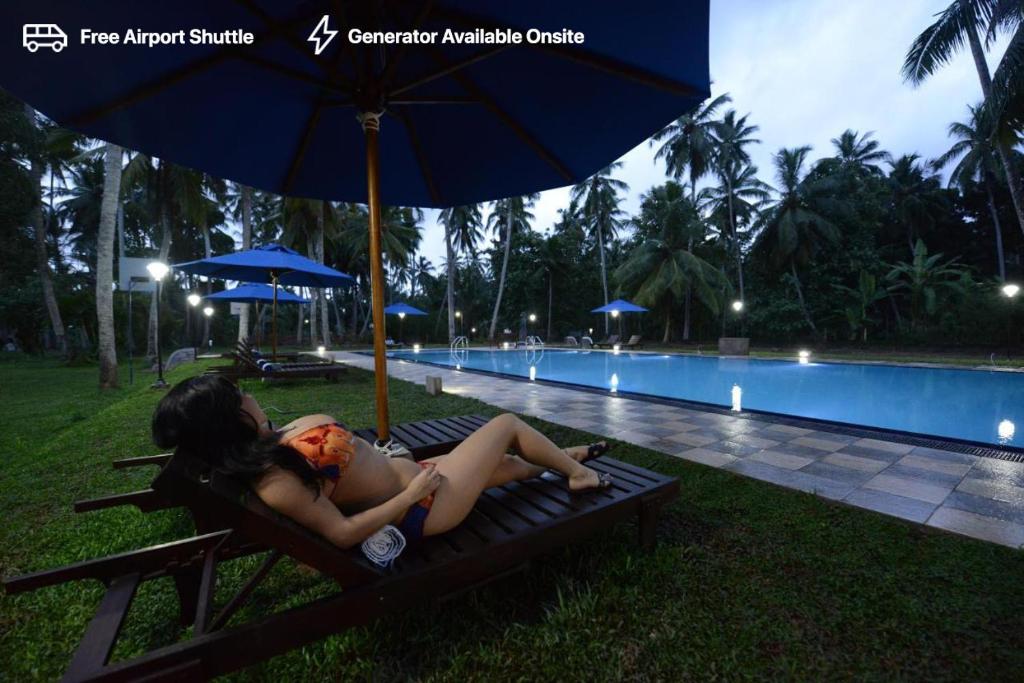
(395, 309)
(276, 116)
(256, 293)
(501, 99)
(264, 263)
(620, 305)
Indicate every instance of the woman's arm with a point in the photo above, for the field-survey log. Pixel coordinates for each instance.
(284, 492)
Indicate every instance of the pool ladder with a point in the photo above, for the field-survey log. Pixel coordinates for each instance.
(459, 349)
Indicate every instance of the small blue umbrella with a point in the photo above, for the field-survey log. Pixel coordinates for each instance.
(400, 308)
(253, 293)
(620, 306)
(271, 263)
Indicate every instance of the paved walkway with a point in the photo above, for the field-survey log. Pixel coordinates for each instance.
(965, 494)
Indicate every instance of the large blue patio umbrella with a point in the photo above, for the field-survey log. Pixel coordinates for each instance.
(618, 307)
(402, 309)
(271, 263)
(500, 99)
(256, 294)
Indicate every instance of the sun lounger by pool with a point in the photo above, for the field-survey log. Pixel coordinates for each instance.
(609, 342)
(508, 526)
(635, 342)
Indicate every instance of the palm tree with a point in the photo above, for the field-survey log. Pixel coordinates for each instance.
(732, 136)
(925, 279)
(978, 156)
(859, 154)
(420, 270)
(514, 212)
(240, 204)
(462, 231)
(598, 200)
(961, 23)
(551, 260)
(916, 198)
(663, 267)
(690, 150)
(796, 226)
(105, 266)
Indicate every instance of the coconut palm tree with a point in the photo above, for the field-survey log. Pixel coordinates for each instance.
(105, 266)
(462, 230)
(979, 161)
(731, 161)
(551, 260)
(961, 23)
(915, 197)
(797, 225)
(239, 203)
(515, 214)
(689, 149)
(420, 270)
(859, 154)
(598, 200)
(664, 267)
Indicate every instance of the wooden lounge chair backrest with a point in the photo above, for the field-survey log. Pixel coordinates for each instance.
(186, 480)
(634, 340)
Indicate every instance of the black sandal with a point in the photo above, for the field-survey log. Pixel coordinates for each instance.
(596, 450)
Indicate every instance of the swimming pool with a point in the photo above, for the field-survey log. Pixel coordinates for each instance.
(979, 406)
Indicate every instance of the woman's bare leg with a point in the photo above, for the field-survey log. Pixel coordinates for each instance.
(477, 461)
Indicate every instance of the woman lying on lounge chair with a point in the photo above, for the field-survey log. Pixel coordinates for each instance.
(322, 476)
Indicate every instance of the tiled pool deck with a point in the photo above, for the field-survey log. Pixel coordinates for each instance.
(964, 494)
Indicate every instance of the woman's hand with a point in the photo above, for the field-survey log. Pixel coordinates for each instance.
(423, 484)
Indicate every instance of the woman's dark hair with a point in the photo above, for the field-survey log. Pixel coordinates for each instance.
(203, 417)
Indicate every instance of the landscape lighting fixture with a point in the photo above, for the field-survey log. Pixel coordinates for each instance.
(737, 305)
(157, 270)
(194, 299)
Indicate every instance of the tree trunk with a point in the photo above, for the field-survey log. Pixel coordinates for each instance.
(504, 271)
(325, 318)
(105, 266)
(314, 301)
(298, 327)
(42, 257)
(687, 299)
(736, 242)
(339, 324)
(604, 276)
(551, 300)
(207, 253)
(450, 291)
(997, 226)
(800, 298)
(1012, 177)
(245, 198)
(668, 328)
(165, 249)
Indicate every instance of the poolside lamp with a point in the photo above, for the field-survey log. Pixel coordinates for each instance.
(208, 311)
(401, 316)
(1006, 430)
(1010, 290)
(615, 349)
(194, 299)
(504, 346)
(473, 330)
(533, 372)
(458, 314)
(615, 314)
(737, 306)
(614, 383)
(416, 348)
(321, 350)
(804, 356)
(737, 397)
(533, 317)
(590, 330)
(158, 271)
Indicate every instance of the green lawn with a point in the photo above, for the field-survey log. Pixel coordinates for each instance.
(749, 581)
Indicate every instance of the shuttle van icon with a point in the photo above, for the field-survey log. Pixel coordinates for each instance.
(35, 36)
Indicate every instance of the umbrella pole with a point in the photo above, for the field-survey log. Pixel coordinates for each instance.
(273, 322)
(371, 126)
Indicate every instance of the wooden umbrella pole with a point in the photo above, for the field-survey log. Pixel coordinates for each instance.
(273, 322)
(371, 125)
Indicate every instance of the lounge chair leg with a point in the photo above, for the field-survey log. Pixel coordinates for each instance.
(186, 583)
(647, 520)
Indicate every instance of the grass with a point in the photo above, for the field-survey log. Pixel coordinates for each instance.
(749, 581)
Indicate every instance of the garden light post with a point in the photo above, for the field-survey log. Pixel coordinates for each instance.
(1010, 291)
(458, 316)
(401, 326)
(158, 271)
(208, 312)
(615, 314)
(193, 301)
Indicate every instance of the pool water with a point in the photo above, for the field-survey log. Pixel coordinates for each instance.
(971, 405)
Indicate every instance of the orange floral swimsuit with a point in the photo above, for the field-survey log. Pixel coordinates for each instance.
(330, 448)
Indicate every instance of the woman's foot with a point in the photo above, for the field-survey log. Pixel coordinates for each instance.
(586, 478)
(588, 452)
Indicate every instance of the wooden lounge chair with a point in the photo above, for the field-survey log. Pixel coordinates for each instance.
(609, 342)
(508, 526)
(248, 366)
(635, 342)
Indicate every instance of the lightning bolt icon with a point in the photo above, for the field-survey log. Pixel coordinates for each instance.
(322, 35)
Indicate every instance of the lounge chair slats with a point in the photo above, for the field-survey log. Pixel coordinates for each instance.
(98, 642)
(144, 460)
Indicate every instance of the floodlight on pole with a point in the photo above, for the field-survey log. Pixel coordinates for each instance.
(158, 271)
(1010, 290)
(208, 311)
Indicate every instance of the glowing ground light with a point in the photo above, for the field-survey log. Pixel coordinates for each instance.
(208, 311)
(1006, 431)
(533, 372)
(805, 356)
(737, 397)
(193, 299)
(458, 366)
(615, 383)
(321, 350)
(415, 348)
(616, 349)
(1011, 290)
(504, 346)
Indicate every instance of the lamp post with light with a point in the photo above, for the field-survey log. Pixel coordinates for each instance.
(193, 301)
(158, 271)
(208, 312)
(1010, 291)
(458, 316)
(401, 326)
